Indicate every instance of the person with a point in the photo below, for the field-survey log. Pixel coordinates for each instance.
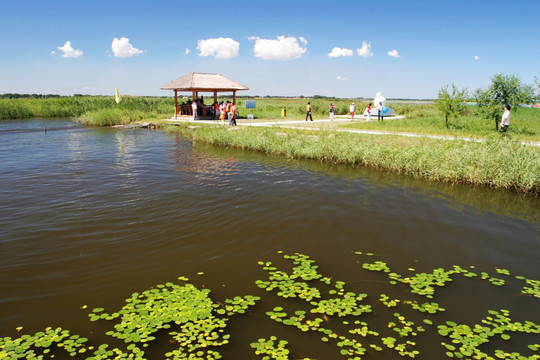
(233, 115)
(216, 110)
(308, 111)
(379, 109)
(228, 111)
(352, 109)
(222, 113)
(505, 121)
(332, 110)
(368, 110)
(194, 108)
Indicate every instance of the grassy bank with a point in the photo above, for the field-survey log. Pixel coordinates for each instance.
(498, 163)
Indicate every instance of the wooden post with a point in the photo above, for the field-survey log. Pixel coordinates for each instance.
(215, 96)
(234, 96)
(175, 103)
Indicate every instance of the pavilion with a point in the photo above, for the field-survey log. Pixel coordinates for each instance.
(201, 82)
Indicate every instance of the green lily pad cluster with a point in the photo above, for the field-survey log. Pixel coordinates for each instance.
(467, 340)
(187, 313)
(429, 307)
(183, 305)
(337, 302)
(42, 343)
(271, 349)
(533, 287)
(425, 283)
(385, 299)
(196, 324)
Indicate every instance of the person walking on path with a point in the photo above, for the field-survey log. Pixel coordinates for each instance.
(352, 109)
(505, 120)
(332, 110)
(379, 109)
(194, 108)
(308, 111)
(368, 110)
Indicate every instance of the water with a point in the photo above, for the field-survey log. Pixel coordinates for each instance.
(89, 216)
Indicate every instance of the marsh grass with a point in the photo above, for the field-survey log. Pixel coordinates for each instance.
(499, 163)
(87, 108)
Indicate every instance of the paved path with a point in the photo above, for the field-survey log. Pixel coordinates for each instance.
(302, 124)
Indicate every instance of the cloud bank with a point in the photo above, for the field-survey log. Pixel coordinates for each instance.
(220, 48)
(283, 48)
(68, 51)
(338, 52)
(123, 49)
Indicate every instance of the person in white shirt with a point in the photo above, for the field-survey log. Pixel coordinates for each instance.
(352, 108)
(194, 107)
(379, 109)
(505, 120)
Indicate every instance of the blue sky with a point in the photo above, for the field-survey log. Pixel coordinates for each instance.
(404, 49)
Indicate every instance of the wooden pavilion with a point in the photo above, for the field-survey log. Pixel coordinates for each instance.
(201, 82)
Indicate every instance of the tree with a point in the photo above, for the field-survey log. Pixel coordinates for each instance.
(504, 89)
(451, 104)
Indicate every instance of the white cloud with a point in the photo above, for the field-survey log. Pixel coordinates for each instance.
(284, 48)
(338, 52)
(476, 58)
(394, 53)
(220, 48)
(188, 51)
(68, 51)
(122, 48)
(341, 78)
(365, 50)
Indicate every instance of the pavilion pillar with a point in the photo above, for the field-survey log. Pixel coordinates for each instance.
(215, 96)
(175, 103)
(234, 96)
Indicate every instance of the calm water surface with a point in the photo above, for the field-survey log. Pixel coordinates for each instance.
(89, 216)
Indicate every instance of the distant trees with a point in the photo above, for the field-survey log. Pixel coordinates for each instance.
(451, 103)
(27, 96)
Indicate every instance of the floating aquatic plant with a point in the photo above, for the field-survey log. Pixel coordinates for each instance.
(197, 325)
(467, 340)
(271, 349)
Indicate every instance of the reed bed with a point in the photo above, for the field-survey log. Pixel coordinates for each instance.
(87, 107)
(501, 163)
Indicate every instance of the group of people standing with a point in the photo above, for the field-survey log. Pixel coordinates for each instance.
(352, 110)
(222, 110)
(226, 110)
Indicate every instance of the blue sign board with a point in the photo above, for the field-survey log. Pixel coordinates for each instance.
(250, 104)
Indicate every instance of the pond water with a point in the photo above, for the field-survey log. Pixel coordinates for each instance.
(90, 215)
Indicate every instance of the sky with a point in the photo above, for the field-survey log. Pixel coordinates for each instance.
(347, 49)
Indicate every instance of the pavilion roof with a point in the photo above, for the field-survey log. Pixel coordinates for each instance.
(204, 82)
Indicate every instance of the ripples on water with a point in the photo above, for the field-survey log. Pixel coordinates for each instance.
(88, 216)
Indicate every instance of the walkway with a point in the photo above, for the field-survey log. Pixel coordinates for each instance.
(302, 124)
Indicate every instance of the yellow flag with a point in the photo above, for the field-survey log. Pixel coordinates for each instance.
(117, 97)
